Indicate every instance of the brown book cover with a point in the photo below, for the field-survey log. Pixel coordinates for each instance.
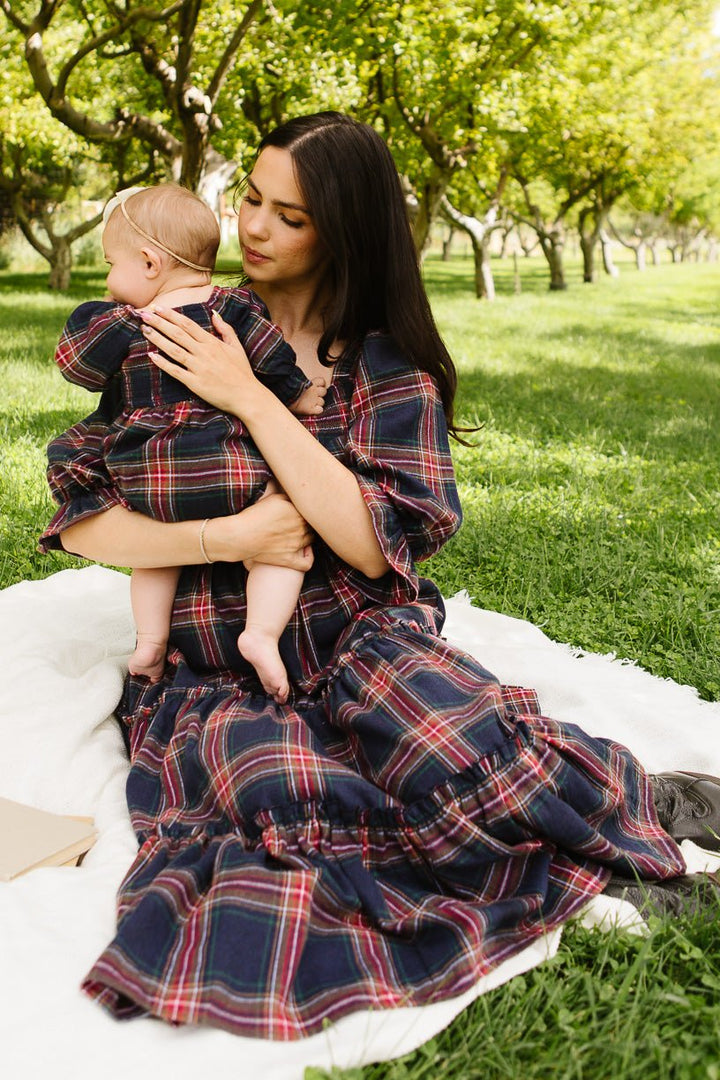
(30, 838)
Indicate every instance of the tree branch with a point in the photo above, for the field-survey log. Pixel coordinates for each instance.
(11, 16)
(122, 24)
(187, 24)
(26, 228)
(221, 71)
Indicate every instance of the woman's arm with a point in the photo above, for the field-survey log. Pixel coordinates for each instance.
(322, 489)
(270, 530)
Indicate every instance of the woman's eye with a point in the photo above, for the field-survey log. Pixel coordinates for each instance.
(250, 200)
(291, 223)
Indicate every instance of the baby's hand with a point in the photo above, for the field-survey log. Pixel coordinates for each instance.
(312, 400)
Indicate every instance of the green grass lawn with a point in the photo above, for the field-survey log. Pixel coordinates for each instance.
(592, 494)
(592, 507)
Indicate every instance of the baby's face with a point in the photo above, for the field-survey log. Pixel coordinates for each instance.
(127, 280)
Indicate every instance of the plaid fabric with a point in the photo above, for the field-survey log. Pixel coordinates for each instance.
(401, 826)
(153, 446)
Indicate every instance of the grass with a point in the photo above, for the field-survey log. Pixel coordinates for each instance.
(591, 499)
(608, 1006)
(592, 493)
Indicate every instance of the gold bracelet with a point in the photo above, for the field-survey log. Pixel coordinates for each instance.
(203, 549)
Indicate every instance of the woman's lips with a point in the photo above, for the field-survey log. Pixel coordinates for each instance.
(254, 256)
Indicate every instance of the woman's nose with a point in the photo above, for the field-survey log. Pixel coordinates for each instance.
(256, 223)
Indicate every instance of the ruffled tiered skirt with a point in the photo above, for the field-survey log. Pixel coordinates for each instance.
(384, 840)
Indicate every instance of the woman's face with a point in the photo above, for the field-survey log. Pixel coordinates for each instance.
(279, 243)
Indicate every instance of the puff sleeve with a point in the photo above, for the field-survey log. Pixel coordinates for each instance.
(95, 341)
(398, 448)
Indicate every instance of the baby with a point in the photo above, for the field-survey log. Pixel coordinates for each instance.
(165, 452)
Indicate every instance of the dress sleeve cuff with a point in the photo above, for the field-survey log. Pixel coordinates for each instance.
(70, 513)
(391, 537)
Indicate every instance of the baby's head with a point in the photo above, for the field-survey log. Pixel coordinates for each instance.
(156, 239)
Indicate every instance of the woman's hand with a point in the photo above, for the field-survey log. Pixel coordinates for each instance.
(268, 531)
(215, 368)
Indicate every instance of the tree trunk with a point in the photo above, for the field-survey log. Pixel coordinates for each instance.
(608, 264)
(484, 281)
(528, 246)
(60, 264)
(553, 246)
(640, 250)
(517, 284)
(429, 198)
(215, 179)
(588, 244)
(447, 244)
(557, 270)
(480, 231)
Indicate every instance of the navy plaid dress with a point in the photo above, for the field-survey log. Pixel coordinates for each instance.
(397, 829)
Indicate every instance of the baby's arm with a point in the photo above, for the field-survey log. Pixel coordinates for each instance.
(94, 343)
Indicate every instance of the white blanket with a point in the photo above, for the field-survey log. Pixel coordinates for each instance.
(65, 642)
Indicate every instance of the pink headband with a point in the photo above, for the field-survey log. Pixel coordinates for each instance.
(120, 199)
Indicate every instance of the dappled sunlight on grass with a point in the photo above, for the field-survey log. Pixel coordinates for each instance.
(592, 491)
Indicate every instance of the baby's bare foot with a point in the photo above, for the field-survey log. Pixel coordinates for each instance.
(148, 658)
(261, 650)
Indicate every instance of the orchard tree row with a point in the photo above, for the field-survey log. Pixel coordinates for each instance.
(586, 115)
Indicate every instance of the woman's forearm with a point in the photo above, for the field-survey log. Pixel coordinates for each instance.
(270, 530)
(125, 538)
(321, 488)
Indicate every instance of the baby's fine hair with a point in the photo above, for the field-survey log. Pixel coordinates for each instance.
(175, 217)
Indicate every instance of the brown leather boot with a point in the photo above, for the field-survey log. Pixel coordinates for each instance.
(688, 805)
(694, 895)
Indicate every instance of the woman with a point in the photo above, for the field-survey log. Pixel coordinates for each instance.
(403, 824)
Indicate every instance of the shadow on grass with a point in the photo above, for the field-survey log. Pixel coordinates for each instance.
(86, 284)
(453, 280)
(664, 414)
(45, 423)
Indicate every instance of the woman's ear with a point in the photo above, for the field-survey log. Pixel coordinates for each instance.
(153, 262)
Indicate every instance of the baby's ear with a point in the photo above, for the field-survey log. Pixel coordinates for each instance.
(153, 261)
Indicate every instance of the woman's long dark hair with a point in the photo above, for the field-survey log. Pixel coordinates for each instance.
(352, 189)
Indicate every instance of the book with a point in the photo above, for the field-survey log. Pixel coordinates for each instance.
(30, 838)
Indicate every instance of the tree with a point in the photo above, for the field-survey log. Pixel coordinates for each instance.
(447, 80)
(480, 228)
(614, 116)
(41, 164)
(138, 77)
(139, 90)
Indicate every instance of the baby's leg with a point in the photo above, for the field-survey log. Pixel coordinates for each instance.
(152, 593)
(272, 594)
